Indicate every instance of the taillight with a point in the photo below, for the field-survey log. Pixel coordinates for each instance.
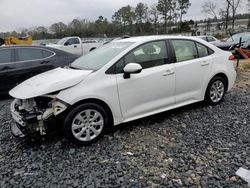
(231, 58)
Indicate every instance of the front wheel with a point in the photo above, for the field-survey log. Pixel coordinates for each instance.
(215, 91)
(86, 124)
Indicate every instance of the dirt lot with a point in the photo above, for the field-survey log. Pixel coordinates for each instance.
(193, 146)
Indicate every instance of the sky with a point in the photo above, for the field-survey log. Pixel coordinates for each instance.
(18, 14)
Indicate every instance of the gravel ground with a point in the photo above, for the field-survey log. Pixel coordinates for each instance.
(193, 146)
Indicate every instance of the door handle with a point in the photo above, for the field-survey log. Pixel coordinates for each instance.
(6, 68)
(44, 62)
(168, 72)
(75, 46)
(204, 63)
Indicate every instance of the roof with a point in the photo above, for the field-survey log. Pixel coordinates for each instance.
(154, 37)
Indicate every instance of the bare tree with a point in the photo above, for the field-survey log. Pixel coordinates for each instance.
(234, 6)
(210, 8)
(225, 13)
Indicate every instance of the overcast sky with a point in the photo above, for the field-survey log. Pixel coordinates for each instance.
(17, 14)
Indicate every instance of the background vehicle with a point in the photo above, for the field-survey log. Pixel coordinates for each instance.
(18, 63)
(74, 45)
(122, 81)
(231, 42)
(16, 41)
(210, 39)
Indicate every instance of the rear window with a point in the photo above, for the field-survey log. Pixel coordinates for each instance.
(202, 50)
(5, 56)
(47, 53)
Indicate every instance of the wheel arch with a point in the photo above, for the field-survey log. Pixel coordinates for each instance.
(96, 101)
(222, 75)
(91, 49)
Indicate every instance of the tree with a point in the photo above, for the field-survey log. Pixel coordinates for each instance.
(154, 17)
(210, 8)
(164, 7)
(58, 28)
(234, 5)
(225, 14)
(141, 14)
(183, 6)
(101, 25)
(125, 16)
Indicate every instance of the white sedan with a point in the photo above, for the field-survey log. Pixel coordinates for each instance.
(122, 81)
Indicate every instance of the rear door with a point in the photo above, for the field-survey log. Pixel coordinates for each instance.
(32, 61)
(7, 70)
(192, 68)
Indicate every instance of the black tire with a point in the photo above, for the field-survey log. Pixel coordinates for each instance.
(208, 96)
(68, 123)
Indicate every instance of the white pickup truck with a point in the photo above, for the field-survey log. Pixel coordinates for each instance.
(75, 45)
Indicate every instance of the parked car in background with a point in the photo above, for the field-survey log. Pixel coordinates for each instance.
(209, 39)
(75, 45)
(230, 43)
(122, 81)
(18, 63)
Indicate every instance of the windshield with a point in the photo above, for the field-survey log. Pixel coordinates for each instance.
(62, 41)
(101, 56)
(236, 38)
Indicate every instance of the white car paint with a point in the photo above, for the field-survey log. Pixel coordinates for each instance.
(78, 48)
(47, 82)
(154, 90)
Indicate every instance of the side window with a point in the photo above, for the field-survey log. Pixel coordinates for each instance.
(5, 56)
(148, 55)
(184, 50)
(72, 41)
(210, 39)
(25, 54)
(203, 50)
(47, 53)
(76, 41)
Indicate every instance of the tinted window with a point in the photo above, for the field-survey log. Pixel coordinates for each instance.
(5, 56)
(202, 50)
(148, 55)
(47, 53)
(24, 54)
(184, 50)
(210, 39)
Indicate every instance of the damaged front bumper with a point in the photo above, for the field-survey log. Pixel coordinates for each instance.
(31, 116)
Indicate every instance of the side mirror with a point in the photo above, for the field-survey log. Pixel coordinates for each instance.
(131, 68)
(66, 43)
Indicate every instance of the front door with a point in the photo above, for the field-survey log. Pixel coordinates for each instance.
(151, 90)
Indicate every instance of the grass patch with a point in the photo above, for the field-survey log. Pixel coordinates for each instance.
(246, 66)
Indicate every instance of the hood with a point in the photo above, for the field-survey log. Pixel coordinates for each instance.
(48, 82)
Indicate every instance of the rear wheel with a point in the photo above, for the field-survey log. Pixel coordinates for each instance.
(86, 124)
(215, 91)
